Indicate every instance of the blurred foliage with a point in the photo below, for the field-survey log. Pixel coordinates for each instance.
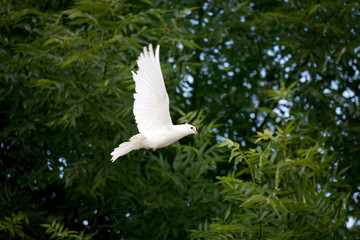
(57, 231)
(232, 68)
(14, 225)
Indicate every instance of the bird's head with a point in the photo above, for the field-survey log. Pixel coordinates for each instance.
(190, 128)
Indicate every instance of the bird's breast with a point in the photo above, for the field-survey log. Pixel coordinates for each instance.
(160, 140)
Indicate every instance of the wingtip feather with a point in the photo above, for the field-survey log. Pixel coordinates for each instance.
(157, 52)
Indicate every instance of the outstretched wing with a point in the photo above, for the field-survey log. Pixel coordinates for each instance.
(151, 105)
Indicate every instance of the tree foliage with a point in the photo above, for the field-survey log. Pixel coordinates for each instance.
(284, 70)
(292, 192)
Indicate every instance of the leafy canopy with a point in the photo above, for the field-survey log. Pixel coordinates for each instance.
(284, 70)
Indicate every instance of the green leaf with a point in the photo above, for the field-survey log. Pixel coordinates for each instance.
(253, 200)
(277, 178)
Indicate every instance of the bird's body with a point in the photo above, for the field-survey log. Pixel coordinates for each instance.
(151, 109)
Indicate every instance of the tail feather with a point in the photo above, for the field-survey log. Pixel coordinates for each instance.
(126, 147)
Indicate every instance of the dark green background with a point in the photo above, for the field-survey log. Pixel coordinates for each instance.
(232, 68)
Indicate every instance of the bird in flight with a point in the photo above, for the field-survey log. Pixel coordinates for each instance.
(151, 109)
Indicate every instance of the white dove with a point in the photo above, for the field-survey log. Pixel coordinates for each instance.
(151, 109)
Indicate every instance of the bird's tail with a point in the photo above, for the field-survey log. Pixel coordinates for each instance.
(126, 147)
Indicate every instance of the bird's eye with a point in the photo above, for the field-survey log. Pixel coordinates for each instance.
(191, 128)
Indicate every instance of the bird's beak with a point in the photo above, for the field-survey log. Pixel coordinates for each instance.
(195, 132)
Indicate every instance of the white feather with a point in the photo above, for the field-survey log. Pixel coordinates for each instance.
(135, 143)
